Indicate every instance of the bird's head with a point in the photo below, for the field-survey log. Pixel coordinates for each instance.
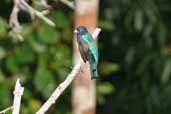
(80, 30)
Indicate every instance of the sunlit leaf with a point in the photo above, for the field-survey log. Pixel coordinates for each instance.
(34, 105)
(108, 68)
(166, 72)
(105, 88)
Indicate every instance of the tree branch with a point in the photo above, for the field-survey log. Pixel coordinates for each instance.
(59, 90)
(5, 110)
(68, 3)
(37, 13)
(18, 92)
(23, 5)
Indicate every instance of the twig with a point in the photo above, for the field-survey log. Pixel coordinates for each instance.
(13, 21)
(59, 90)
(42, 3)
(23, 5)
(5, 110)
(18, 92)
(68, 3)
(37, 13)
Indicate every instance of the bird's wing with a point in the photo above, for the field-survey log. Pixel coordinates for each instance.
(94, 51)
(92, 45)
(83, 48)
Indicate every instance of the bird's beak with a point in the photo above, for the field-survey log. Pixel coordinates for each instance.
(75, 31)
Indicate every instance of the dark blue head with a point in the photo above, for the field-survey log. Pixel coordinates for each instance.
(80, 30)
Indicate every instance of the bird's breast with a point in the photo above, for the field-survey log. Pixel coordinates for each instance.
(78, 38)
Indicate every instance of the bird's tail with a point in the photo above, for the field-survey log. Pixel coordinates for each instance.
(93, 69)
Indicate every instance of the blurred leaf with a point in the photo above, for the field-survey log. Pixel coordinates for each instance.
(37, 46)
(19, 57)
(27, 93)
(34, 105)
(1, 76)
(138, 23)
(102, 90)
(129, 57)
(44, 81)
(3, 26)
(60, 20)
(27, 31)
(60, 57)
(48, 34)
(105, 88)
(101, 99)
(67, 35)
(107, 68)
(167, 72)
(63, 55)
(2, 53)
(108, 25)
(5, 95)
(12, 64)
(23, 55)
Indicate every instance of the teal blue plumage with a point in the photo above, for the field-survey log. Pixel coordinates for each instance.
(88, 49)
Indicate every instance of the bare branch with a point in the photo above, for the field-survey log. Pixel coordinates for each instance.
(42, 3)
(59, 90)
(13, 21)
(5, 110)
(68, 3)
(23, 5)
(96, 33)
(18, 92)
(37, 13)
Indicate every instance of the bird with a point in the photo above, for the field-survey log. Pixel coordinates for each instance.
(88, 49)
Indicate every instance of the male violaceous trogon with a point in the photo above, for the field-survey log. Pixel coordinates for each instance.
(88, 49)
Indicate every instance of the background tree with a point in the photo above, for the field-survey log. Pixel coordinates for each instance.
(84, 90)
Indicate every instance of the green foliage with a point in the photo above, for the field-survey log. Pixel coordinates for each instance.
(5, 95)
(42, 61)
(108, 25)
(107, 68)
(52, 36)
(44, 81)
(103, 89)
(139, 45)
(60, 19)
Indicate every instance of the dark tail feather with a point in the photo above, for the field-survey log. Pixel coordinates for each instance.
(93, 69)
(94, 74)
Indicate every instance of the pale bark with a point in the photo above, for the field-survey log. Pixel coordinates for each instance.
(18, 92)
(84, 92)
